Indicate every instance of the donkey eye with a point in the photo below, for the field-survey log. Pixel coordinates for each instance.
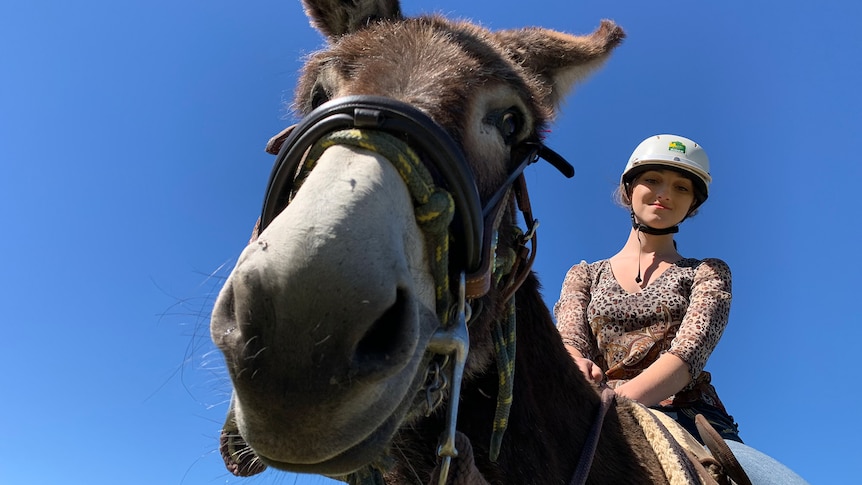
(318, 96)
(509, 124)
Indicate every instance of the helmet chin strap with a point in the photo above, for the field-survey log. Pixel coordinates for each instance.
(651, 230)
(643, 228)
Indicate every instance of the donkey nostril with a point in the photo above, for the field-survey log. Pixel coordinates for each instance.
(386, 340)
(383, 336)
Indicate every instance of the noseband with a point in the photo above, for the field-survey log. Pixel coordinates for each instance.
(440, 153)
(472, 231)
(400, 120)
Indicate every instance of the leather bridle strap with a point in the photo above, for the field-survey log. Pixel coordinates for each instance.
(479, 281)
(524, 257)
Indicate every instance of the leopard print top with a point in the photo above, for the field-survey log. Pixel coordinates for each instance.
(684, 311)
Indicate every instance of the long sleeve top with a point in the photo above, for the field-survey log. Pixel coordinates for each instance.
(684, 311)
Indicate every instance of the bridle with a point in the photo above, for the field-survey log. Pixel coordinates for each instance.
(417, 128)
(473, 229)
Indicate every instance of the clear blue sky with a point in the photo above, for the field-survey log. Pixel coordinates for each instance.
(131, 148)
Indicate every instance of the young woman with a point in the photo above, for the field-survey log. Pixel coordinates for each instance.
(645, 320)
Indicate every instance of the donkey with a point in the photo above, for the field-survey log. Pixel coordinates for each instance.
(389, 267)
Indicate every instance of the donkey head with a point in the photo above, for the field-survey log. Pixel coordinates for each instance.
(326, 321)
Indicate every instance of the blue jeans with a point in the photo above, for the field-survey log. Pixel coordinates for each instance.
(762, 469)
(720, 420)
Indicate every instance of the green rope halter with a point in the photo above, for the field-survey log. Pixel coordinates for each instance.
(504, 346)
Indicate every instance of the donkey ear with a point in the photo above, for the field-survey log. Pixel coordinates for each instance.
(334, 18)
(559, 59)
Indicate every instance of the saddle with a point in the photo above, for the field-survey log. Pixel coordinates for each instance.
(679, 452)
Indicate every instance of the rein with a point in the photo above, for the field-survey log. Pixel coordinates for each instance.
(447, 208)
(588, 453)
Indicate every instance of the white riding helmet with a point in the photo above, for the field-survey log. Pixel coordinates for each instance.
(672, 151)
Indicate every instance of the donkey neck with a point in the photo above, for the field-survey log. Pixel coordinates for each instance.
(552, 411)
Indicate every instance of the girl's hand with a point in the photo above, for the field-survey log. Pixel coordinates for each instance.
(590, 370)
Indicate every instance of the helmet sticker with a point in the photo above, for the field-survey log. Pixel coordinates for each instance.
(676, 146)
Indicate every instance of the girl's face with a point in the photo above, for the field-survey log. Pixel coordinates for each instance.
(662, 198)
